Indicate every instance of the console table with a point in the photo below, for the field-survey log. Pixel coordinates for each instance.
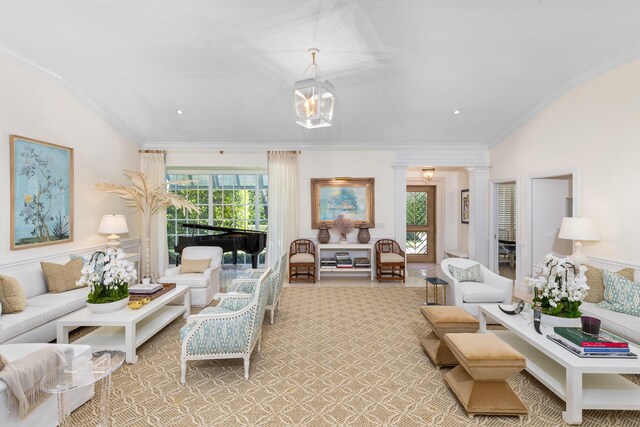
(354, 249)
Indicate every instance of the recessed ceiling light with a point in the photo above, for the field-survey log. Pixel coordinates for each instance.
(456, 112)
(180, 112)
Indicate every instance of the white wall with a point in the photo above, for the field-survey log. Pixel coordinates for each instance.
(594, 129)
(37, 107)
(313, 164)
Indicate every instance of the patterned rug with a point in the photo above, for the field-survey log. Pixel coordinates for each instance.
(334, 357)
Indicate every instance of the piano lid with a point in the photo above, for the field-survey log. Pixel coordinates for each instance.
(223, 229)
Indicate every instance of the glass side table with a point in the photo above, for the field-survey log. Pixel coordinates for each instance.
(436, 282)
(85, 370)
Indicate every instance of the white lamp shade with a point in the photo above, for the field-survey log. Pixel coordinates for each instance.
(579, 229)
(113, 224)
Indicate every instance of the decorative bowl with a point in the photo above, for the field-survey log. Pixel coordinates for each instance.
(134, 305)
(145, 300)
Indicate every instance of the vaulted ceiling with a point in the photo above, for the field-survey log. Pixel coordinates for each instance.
(400, 68)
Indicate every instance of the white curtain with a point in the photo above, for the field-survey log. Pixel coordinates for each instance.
(284, 203)
(153, 164)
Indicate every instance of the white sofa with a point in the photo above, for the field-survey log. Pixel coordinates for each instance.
(203, 285)
(46, 414)
(469, 295)
(37, 323)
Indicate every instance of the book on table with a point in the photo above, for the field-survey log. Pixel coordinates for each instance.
(605, 339)
(578, 352)
(144, 289)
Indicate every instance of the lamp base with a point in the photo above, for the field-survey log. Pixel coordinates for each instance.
(113, 240)
(578, 258)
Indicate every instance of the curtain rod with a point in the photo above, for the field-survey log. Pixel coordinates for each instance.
(153, 151)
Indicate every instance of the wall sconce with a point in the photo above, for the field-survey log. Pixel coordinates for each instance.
(428, 173)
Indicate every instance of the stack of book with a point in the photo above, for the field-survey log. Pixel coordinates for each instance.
(605, 344)
(361, 262)
(142, 289)
(328, 262)
(343, 260)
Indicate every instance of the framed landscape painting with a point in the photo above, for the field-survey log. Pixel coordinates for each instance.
(41, 193)
(464, 207)
(351, 197)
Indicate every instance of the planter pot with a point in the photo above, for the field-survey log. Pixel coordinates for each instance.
(110, 307)
(552, 321)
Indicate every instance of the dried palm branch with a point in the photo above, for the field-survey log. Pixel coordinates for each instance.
(145, 197)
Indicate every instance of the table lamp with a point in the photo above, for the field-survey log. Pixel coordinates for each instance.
(113, 225)
(579, 229)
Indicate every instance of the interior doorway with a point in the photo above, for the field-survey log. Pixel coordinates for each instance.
(551, 200)
(505, 236)
(421, 223)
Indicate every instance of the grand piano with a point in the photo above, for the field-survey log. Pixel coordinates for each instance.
(229, 239)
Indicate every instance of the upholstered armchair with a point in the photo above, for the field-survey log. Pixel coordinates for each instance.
(276, 282)
(390, 261)
(229, 330)
(302, 261)
(204, 285)
(468, 294)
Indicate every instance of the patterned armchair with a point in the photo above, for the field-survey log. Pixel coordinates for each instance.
(229, 330)
(275, 287)
(390, 262)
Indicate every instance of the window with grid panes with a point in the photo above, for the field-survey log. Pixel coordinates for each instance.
(226, 200)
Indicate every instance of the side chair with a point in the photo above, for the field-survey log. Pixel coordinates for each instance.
(275, 288)
(229, 330)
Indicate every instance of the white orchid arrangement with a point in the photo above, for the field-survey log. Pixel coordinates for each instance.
(559, 286)
(108, 274)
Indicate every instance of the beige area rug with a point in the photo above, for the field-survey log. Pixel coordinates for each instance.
(334, 357)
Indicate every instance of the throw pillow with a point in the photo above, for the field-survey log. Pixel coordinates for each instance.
(62, 277)
(11, 295)
(471, 274)
(596, 285)
(195, 265)
(620, 294)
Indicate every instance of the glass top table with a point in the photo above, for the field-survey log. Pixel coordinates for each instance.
(85, 370)
(436, 282)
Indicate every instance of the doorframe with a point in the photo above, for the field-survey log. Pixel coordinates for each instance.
(493, 223)
(439, 183)
(527, 264)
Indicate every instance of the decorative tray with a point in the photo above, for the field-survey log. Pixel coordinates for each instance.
(166, 287)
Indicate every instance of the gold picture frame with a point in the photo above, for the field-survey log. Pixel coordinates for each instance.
(41, 191)
(352, 197)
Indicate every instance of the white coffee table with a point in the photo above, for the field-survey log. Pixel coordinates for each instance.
(126, 329)
(581, 383)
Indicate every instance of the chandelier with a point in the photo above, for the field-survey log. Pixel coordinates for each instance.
(313, 98)
(427, 173)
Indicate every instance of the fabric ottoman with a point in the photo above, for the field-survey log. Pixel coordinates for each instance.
(444, 320)
(480, 381)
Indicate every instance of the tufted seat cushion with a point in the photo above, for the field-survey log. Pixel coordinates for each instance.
(480, 293)
(448, 317)
(301, 258)
(389, 257)
(484, 350)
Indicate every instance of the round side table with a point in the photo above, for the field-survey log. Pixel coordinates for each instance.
(83, 371)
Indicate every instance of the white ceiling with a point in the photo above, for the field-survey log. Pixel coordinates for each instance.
(400, 67)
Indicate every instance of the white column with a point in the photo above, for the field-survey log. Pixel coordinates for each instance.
(401, 205)
(479, 214)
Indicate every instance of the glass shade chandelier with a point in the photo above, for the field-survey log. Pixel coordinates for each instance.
(313, 97)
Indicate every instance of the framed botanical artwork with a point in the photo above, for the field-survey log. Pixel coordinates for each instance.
(464, 206)
(41, 193)
(351, 197)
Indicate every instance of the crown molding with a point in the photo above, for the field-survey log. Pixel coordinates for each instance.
(625, 57)
(101, 112)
